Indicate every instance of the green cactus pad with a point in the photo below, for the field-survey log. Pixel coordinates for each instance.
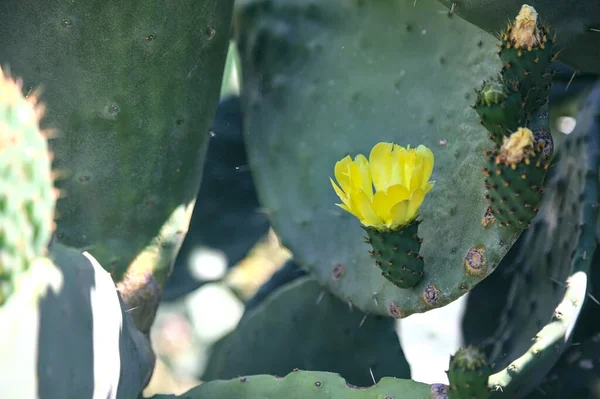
(576, 374)
(468, 374)
(515, 189)
(302, 326)
(27, 195)
(310, 384)
(500, 108)
(552, 267)
(132, 88)
(326, 79)
(577, 24)
(69, 335)
(396, 253)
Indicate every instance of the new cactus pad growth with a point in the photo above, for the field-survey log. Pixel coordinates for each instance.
(27, 195)
(400, 177)
(527, 51)
(468, 374)
(515, 177)
(500, 108)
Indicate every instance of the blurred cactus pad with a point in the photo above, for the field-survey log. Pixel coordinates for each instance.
(341, 77)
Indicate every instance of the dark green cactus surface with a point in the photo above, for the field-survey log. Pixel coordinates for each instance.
(396, 253)
(468, 374)
(577, 24)
(326, 79)
(27, 196)
(133, 87)
(310, 384)
(303, 326)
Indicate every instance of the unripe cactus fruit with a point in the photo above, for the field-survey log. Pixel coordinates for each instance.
(500, 108)
(468, 374)
(527, 51)
(515, 177)
(27, 195)
(401, 180)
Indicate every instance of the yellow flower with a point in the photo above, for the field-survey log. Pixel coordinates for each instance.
(400, 177)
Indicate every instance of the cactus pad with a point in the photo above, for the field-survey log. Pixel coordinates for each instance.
(27, 195)
(133, 88)
(302, 326)
(302, 384)
(309, 66)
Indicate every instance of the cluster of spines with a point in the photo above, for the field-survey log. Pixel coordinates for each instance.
(27, 194)
(396, 253)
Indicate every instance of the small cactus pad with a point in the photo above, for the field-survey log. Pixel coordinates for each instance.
(300, 325)
(27, 195)
(527, 50)
(500, 108)
(515, 177)
(551, 269)
(468, 374)
(396, 253)
(301, 384)
(576, 22)
(133, 88)
(308, 65)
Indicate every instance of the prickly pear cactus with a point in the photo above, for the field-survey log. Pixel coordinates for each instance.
(342, 77)
(133, 88)
(578, 24)
(27, 195)
(301, 384)
(552, 267)
(302, 326)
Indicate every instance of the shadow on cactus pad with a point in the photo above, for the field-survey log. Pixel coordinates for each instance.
(226, 220)
(302, 326)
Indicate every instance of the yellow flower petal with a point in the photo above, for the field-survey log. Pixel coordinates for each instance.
(425, 159)
(415, 202)
(399, 214)
(380, 161)
(341, 173)
(360, 175)
(361, 205)
(343, 196)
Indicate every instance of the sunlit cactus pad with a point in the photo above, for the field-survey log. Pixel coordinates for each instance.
(326, 79)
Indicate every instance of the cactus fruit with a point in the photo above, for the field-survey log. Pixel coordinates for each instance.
(302, 326)
(401, 180)
(301, 384)
(468, 374)
(527, 51)
(295, 56)
(515, 178)
(27, 194)
(577, 23)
